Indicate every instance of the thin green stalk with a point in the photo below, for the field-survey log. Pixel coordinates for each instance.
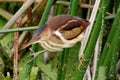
(55, 10)
(64, 55)
(93, 38)
(19, 29)
(73, 7)
(100, 49)
(62, 68)
(114, 51)
(111, 56)
(101, 73)
(60, 9)
(110, 17)
(110, 37)
(46, 12)
(116, 4)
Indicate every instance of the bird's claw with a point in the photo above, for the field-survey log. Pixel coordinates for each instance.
(34, 54)
(81, 59)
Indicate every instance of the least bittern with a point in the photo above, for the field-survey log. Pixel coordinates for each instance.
(62, 31)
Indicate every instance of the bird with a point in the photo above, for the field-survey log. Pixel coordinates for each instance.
(61, 31)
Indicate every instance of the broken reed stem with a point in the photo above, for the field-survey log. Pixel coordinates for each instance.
(5, 14)
(16, 34)
(17, 15)
(15, 55)
(82, 5)
(11, 0)
(16, 37)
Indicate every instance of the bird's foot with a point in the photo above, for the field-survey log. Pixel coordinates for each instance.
(81, 59)
(35, 54)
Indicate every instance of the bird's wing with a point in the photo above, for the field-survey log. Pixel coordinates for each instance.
(35, 35)
(38, 32)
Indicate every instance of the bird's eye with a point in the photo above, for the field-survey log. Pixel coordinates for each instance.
(85, 23)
